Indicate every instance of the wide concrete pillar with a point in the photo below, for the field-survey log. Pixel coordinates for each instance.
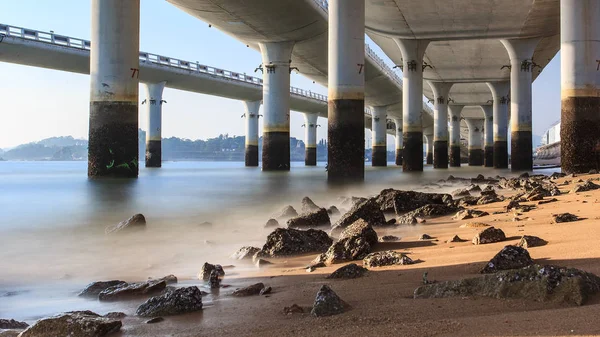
(251, 117)
(521, 53)
(488, 138)
(114, 70)
(379, 136)
(310, 135)
(412, 102)
(475, 139)
(399, 141)
(154, 101)
(440, 123)
(500, 91)
(346, 91)
(430, 150)
(276, 105)
(580, 85)
(454, 112)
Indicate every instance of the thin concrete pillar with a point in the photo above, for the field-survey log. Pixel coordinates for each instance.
(580, 85)
(455, 111)
(310, 135)
(430, 149)
(154, 101)
(521, 53)
(379, 136)
(346, 91)
(412, 102)
(475, 139)
(399, 141)
(276, 105)
(488, 128)
(114, 70)
(251, 116)
(440, 123)
(500, 91)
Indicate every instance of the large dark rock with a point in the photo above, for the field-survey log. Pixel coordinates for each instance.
(468, 201)
(348, 271)
(489, 235)
(12, 324)
(431, 210)
(528, 241)
(245, 253)
(510, 257)
(400, 202)
(254, 289)
(367, 210)
(286, 213)
(535, 282)
(360, 228)
(132, 290)
(310, 219)
(386, 258)
(138, 221)
(287, 241)
(461, 192)
(95, 288)
(174, 302)
(347, 249)
(214, 279)
(308, 206)
(327, 303)
(565, 217)
(207, 268)
(77, 323)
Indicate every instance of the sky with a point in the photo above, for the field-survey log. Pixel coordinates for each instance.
(40, 103)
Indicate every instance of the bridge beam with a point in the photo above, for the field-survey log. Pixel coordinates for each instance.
(475, 139)
(251, 118)
(488, 128)
(399, 141)
(379, 136)
(154, 101)
(310, 135)
(440, 123)
(521, 63)
(346, 91)
(429, 140)
(580, 85)
(114, 70)
(455, 111)
(500, 91)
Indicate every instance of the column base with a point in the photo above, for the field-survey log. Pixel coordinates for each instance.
(310, 156)
(489, 156)
(440, 154)
(500, 154)
(276, 151)
(413, 151)
(399, 157)
(379, 156)
(429, 158)
(251, 156)
(455, 156)
(153, 153)
(580, 134)
(113, 140)
(346, 141)
(521, 158)
(476, 157)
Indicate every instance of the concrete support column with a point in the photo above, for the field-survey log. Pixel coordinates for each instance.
(430, 150)
(114, 71)
(500, 91)
(310, 135)
(154, 101)
(379, 136)
(399, 141)
(521, 53)
(475, 139)
(455, 111)
(251, 116)
(580, 85)
(488, 128)
(346, 91)
(276, 105)
(440, 123)
(412, 102)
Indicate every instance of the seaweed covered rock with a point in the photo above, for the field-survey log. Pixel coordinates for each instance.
(312, 219)
(348, 271)
(327, 303)
(367, 210)
(489, 235)
(386, 258)
(175, 302)
(288, 241)
(76, 323)
(510, 257)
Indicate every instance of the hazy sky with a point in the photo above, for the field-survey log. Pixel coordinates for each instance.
(39, 103)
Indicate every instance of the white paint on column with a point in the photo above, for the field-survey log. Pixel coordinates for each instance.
(154, 102)
(475, 132)
(500, 91)
(379, 126)
(399, 138)
(488, 113)
(455, 111)
(276, 58)
(440, 112)
(310, 132)
(251, 117)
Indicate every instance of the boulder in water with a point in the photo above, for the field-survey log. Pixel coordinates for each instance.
(333, 211)
(308, 206)
(286, 213)
(207, 268)
(288, 241)
(76, 323)
(327, 303)
(272, 223)
(95, 288)
(137, 221)
(174, 302)
(132, 290)
(510, 257)
(311, 219)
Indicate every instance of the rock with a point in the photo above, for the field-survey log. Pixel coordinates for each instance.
(333, 211)
(557, 175)
(115, 315)
(391, 222)
(389, 238)
(207, 268)
(489, 235)
(469, 214)
(488, 199)
(312, 219)
(169, 279)
(460, 193)
(10, 333)
(206, 224)
(308, 206)
(479, 177)
(474, 188)
(130, 290)
(254, 289)
(587, 186)
(565, 217)
(175, 302)
(528, 241)
(12, 324)
(327, 303)
(592, 171)
(95, 288)
(360, 228)
(386, 258)
(434, 210)
(349, 271)
(510, 257)
(456, 238)
(474, 225)
(286, 213)
(468, 201)
(214, 280)
(293, 309)
(260, 263)
(287, 241)
(155, 320)
(535, 282)
(425, 237)
(265, 291)
(407, 219)
(245, 253)
(367, 210)
(318, 262)
(272, 223)
(512, 204)
(524, 175)
(77, 323)
(547, 201)
(398, 201)
(347, 249)
(137, 221)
